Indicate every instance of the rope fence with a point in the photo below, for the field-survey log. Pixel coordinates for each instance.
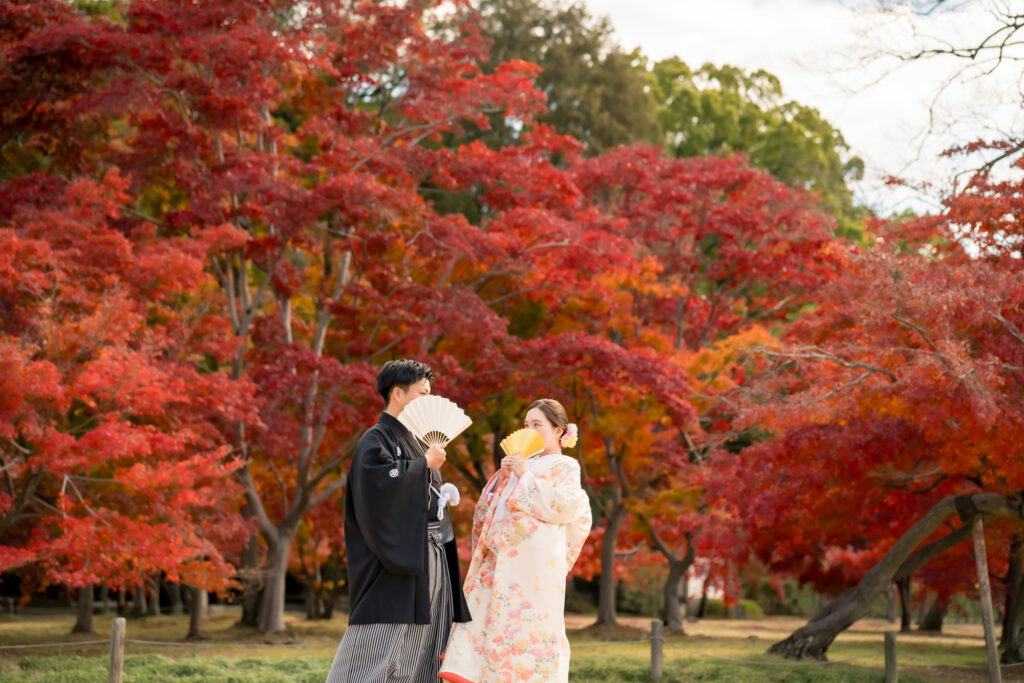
(703, 653)
(134, 641)
(889, 655)
(70, 644)
(655, 639)
(925, 662)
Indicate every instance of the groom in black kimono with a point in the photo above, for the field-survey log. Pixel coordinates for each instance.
(405, 589)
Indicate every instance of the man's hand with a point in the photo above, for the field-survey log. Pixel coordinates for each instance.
(515, 464)
(435, 457)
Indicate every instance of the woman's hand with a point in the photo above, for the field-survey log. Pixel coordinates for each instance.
(515, 464)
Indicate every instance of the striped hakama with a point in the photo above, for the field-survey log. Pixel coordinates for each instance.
(378, 653)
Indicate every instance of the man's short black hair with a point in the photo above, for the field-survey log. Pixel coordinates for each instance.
(401, 373)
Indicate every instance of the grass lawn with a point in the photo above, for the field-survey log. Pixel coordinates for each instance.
(711, 650)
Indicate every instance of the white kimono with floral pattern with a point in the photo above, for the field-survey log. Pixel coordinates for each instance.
(515, 586)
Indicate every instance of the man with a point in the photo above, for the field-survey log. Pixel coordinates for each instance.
(405, 589)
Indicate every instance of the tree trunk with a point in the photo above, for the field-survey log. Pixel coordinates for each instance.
(177, 607)
(139, 602)
(250, 577)
(198, 606)
(890, 605)
(922, 611)
(1014, 652)
(1013, 579)
(122, 602)
(671, 615)
(606, 587)
(272, 603)
(903, 586)
(105, 599)
(311, 599)
(154, 602)
(814, 638)
(933, 618)
(83, 613)
(684, 592)
(329, 599)
(314, 593)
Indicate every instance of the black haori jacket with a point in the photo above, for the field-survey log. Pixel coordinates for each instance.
(387, 496)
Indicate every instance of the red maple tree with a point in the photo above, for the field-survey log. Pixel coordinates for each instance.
(112, 459)
(893, 400)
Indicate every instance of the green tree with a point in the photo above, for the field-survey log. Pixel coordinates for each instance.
(596, 92)
(721, 110)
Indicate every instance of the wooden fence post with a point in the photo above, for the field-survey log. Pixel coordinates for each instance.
(891, 674)
(116, 650)
(656, 643)
(994, 674)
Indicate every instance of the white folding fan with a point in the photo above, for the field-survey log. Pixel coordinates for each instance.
(434, 419)
(526, 441)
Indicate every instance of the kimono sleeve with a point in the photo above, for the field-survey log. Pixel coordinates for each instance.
(391, 505)
(576, 536)
(488, 497)
(557, 497)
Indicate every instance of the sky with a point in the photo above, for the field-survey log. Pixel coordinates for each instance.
(831, 54)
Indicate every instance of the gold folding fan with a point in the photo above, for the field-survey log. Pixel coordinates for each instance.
(526, 441)
(434, 419)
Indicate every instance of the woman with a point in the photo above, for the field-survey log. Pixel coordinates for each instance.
(528, 528)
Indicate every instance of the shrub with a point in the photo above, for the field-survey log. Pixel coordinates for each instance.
(746, 609)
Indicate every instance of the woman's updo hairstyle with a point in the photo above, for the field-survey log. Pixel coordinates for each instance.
(553, 411)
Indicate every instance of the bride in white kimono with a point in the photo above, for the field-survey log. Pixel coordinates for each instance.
(528, 529)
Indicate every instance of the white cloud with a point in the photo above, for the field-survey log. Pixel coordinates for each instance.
(822, 52)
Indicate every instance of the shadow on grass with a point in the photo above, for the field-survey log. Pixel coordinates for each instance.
(617, 632)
